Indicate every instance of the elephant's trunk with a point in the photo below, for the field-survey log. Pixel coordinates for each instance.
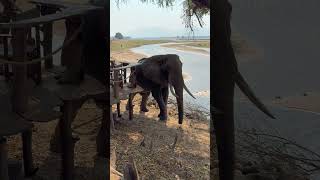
(179, 91)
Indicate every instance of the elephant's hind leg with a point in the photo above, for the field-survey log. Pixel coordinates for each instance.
(143, 105)
(165, 94)
(157, 94)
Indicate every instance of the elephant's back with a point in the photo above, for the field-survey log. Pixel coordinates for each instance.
(150, 75)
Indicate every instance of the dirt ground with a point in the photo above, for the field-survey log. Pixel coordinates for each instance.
(87, 166)
(151, 144)
(147, 140)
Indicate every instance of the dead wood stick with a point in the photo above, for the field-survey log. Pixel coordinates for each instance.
(130, 171)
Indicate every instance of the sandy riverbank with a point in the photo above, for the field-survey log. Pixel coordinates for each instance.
(126, 55)
(185, 47)
(308, 101)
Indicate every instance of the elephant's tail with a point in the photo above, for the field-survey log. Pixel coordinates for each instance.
(185, 87)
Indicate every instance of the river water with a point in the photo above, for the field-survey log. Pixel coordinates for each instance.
(196, 69)
(286, 34)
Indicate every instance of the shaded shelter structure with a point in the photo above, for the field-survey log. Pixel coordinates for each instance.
(31, 92)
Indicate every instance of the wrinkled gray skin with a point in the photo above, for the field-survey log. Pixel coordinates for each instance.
(155, 75)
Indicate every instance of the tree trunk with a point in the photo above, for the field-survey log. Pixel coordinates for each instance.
(224, 64)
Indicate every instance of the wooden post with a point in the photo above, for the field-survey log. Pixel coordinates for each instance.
(6, 55)
(118, 110)
(47, 44)
(224, 65)
(47, 37)
(116, 83)
(29, 169)
(67, 142)
(38, 47)
(102, 137)
(19, 93)
(111, 119)
(116, 88)
(130, 106)
(130, 171)
(3, 159)
(125, 74)
(55, 142)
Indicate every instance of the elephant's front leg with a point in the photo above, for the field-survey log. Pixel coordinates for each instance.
(143, 105)
(157, 94)
(165, 94)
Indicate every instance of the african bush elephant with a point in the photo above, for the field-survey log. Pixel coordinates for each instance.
(157, 74)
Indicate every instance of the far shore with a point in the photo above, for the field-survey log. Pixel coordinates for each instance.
(120, 49)
(308, 101)
(185, 47)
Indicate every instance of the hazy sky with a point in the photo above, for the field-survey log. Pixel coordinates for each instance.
(137, 19)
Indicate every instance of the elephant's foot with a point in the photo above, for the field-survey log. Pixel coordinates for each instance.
(144, 109)
(163, 117)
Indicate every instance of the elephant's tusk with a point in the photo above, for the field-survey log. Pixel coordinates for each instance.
(185, 87)
(172, 91)
(243, 85)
